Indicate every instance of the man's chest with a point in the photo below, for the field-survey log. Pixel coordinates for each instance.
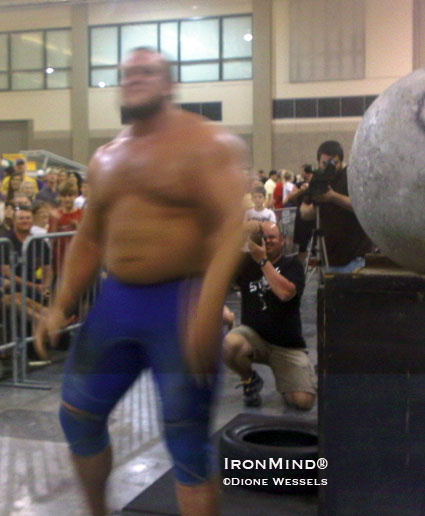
(160, 173)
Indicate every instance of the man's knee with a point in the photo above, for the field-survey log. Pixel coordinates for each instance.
(234, 346)
(86, 433)
(188, 444)
(300, 400)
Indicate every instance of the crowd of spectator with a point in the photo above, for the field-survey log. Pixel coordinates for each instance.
(55, 197)
(51, 203)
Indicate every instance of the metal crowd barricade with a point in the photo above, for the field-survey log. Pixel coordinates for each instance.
(36, 274)
(8, 329)
(285, 218)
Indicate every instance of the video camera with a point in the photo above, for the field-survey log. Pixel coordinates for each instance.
(319, 183)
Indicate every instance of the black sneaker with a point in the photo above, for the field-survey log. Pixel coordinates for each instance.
(251, 390)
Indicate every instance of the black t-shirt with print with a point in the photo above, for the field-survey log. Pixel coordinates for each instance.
(278, 322)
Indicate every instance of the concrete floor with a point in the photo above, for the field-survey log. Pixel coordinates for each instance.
(36, 478)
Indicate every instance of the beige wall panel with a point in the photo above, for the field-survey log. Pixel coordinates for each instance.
(50, 110)
(104, 109)
(57, 143)
(389, 38)
(280, 54)
(235, 96)
(418, 34)
(30, 18)
(165, 9)
(295, 144)
(388, 52)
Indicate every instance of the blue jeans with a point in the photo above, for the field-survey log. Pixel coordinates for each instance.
(349, 267)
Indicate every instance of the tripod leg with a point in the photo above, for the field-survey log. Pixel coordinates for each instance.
(310, 247)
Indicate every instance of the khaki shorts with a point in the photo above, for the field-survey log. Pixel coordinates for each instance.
(292, 369)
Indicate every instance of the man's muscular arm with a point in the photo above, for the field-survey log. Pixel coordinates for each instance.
(82, 261)
(220, 188)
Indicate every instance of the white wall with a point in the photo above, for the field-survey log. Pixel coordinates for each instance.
(388, 42)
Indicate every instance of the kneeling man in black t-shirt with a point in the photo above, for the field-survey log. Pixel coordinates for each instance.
(270, 331)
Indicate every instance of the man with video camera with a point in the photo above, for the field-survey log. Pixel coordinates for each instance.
(327, 195)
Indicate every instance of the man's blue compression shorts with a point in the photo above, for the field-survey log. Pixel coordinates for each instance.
(132, 327)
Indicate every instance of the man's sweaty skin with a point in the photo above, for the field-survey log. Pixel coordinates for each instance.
(164, 195)
(165, 203)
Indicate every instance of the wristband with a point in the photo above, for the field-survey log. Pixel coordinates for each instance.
(263, 262)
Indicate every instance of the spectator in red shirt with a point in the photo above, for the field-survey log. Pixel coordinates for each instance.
(277, 194)
(65, 218)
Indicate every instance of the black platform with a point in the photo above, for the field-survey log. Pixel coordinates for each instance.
(159, 499)
(372, 394)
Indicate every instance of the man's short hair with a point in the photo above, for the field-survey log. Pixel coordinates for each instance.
(331, 148)
(272, 172)
(68, 188)
(259, 189)
(308, 169)
(38, 205)
(20, 161)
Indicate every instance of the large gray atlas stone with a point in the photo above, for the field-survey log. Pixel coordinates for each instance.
(386, 176)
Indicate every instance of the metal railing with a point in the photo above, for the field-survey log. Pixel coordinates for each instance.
(8, 330)
(27, 281)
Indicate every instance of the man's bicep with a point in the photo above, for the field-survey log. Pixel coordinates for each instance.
(90, 226)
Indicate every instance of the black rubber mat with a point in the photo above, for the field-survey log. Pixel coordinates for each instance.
(159, 499)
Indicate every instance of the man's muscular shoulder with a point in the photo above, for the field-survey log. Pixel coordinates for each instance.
(212, 138)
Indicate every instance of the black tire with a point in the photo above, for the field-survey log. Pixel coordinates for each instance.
(265, 439)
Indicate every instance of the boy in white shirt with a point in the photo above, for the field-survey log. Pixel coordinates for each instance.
(259, 212)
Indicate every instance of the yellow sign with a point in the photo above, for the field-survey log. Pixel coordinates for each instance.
(13, 157)
(31, 165)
